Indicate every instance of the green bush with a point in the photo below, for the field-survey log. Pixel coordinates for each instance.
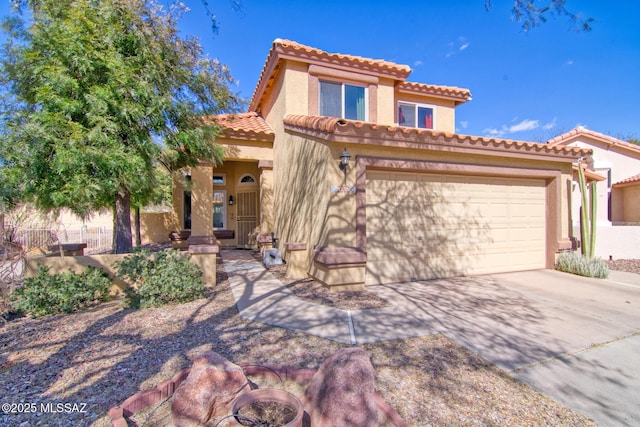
(166, 277)
(62, 292)
(575, 263)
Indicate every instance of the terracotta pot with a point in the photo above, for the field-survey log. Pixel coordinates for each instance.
(271, 395)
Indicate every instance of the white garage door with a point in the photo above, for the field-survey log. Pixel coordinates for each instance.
(426, 226)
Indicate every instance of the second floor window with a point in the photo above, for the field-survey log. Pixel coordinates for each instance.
(415, 115)
(343, 100)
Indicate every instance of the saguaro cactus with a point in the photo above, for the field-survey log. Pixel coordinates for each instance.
(587, 219)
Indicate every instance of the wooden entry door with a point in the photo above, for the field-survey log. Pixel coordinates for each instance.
(247, 215)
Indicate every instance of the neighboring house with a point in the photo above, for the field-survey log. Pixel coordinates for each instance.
(412, 199)
(618, 163)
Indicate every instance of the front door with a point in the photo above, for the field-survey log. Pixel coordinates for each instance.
(247, 215)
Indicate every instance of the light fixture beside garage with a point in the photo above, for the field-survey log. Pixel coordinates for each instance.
(344, 161)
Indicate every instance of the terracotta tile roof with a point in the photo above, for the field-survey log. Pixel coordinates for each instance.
(287, 49)
(244, 126)
(572, 135)
(628, 182)
(412, 137)
(457, 94)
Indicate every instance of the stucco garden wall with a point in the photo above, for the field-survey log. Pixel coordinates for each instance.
(617, 242)
(77, 264)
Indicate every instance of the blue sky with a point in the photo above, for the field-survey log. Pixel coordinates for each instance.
(529, 86)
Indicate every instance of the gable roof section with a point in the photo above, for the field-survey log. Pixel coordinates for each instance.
(580, 131)
(247, 126)
(363, 132)
(628, 182)
(459, 95)
(287, 49)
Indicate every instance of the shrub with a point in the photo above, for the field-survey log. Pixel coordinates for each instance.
(166, 277)
(575, 263)
(62, 292)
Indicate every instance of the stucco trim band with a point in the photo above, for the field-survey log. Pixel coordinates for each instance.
(265, 164)
(340, 257)
(295, 246)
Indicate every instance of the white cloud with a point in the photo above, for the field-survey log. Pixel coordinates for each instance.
(522, 126)
(570, 62)
(417, 63)
(494, 132)
(459, 45)
(464, 124)
(551, 124)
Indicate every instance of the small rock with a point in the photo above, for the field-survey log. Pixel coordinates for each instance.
(342, 392)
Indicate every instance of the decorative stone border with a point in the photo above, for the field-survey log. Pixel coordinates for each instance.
(165, 389)
(144, 399)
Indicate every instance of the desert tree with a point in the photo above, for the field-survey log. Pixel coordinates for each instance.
(532, 13)
(97, 94)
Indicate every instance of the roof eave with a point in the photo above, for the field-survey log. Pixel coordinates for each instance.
(349, 131)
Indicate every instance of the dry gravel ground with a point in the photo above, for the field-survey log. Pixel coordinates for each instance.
(102, 356)
(629, 265)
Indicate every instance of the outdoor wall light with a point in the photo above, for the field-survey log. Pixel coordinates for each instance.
(344, 161)
(230, 200)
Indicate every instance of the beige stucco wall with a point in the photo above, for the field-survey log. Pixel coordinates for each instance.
(155, 226)
(301, 196)
(245, 150)
(626, 205)
(297, 88)
(307, 210)
(386, 104)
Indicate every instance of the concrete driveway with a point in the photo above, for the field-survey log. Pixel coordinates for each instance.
(576, 340)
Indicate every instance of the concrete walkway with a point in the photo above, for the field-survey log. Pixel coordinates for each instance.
(572, 338)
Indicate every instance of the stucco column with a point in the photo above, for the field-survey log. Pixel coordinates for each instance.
(266, 196)
(202, 200)
(177, 193)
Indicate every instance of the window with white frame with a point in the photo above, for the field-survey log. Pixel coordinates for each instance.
(219, 179)
(416, 115)
(219, 209)
(343, 100)
(247, 179)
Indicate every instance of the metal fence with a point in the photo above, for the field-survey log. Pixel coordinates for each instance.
(98, 239)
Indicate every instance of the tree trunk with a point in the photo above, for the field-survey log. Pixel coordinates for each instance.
(122, 222)
(137, 221)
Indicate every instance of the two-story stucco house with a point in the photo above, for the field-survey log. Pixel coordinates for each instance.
(362, 178)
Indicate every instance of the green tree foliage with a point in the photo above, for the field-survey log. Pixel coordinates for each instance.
(532, 13)
(99, 92)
